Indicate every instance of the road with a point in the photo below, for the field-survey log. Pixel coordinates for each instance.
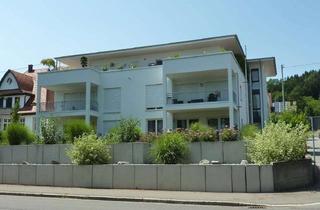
(42, 203)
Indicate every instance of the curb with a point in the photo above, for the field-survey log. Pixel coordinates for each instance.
(128, 199)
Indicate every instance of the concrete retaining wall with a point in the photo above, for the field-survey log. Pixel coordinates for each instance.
(137, 153)
(224, 152)
(184, 177)
(293, 174)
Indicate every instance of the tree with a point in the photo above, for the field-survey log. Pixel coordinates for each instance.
(48, 62)
(15, 117)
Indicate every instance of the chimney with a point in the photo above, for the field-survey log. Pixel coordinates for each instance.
(30, 68)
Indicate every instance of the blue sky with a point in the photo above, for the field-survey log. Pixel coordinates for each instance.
(35, 29)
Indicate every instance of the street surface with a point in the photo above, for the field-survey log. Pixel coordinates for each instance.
(37, 203)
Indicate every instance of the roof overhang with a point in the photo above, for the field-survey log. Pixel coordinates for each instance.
(228, 42)
(269, 64)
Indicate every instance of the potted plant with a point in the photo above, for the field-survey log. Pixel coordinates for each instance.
(84, 61)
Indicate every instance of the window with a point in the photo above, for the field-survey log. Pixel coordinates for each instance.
(213, 123)
(154, 97)
(182, 124)
(9, 102)
(17, 100)
(254, 75)
(1, 103)
(9, 81)
(112, 100)
(192, 121)
(155, 126)
(257, 116)
(225, 123)
(22, 121)
(6, 122)
(256, 99)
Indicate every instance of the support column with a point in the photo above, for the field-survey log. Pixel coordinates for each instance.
(38, 109)
(88, 102)
(167, 121)
(230, 98)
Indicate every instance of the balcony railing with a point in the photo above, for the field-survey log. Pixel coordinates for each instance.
(61, 106)
(185, 97)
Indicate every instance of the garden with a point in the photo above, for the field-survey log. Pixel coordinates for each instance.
(252, 160)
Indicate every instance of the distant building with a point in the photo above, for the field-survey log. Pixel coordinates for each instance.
(289, 105)
(17, 87)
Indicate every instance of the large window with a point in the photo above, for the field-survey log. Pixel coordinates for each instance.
(182, 124)
(6, 122)
(255, 75)
(155, 126)
(1, 103)
(9, 102)
(112, 100)
(257, 116)
(256, 99)
(154, 97)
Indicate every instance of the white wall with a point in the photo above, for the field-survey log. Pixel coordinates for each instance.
(8, 86)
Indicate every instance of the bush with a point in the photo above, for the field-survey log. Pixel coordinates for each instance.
(88, 149)
(50, 133)
(229, 134)
(290, 117)
(249, 131)
(198, 127)
(75, 128)
(17, 133)
(170, 148)
(199, 132)
(148, 137)
(278, 142)
(128, 130)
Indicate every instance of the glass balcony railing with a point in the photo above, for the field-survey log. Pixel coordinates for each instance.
(187, 97)
(61, 106)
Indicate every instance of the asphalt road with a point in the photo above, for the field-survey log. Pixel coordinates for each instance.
(41, 203)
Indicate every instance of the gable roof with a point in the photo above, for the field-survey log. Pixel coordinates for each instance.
(25, 82)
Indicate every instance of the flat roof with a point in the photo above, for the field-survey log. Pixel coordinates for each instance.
(269, 62)
(230, 41)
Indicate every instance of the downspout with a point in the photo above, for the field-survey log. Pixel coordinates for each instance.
(246, 81)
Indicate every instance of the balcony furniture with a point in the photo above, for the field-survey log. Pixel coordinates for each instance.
(213, 97)
(159, 62)
(176, 101)
(200, 100)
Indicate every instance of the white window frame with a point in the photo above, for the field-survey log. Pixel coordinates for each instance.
(156, 125)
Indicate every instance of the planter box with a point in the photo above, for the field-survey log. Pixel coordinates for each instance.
(292, 175)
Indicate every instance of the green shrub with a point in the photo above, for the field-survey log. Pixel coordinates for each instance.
(75, 128)
(50, 133)
(249, 131)
(278, 142)
(199, 132)
(128, 130)
(88, 149)
(170, 148)
(229, 134)
(17, 133)
(290, 117)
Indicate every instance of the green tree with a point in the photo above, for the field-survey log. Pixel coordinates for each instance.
(15, 117)
(48, 62)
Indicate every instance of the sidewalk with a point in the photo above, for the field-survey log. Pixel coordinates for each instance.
(308, 197)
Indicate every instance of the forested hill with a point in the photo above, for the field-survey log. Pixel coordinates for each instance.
(304, 89)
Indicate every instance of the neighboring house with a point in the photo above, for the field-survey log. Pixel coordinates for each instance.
(289, 105)
(165, 86)
(17, 87)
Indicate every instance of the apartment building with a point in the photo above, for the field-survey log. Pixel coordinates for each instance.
(165, 86)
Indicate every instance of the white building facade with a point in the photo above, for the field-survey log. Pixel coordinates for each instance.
(164, 86)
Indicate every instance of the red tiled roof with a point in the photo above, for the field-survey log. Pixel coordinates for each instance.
(24, 81)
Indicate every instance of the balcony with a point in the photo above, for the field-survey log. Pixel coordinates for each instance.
(190, 97)
(67, 106)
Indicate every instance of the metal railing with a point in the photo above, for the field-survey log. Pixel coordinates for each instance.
(61, 106)
(184, 97)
